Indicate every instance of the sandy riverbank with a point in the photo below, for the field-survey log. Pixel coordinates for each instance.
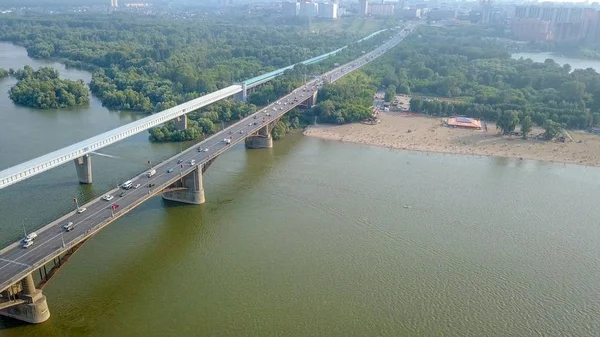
(427, 134)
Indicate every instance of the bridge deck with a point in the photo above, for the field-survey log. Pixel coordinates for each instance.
(53, 159)
(16, 262)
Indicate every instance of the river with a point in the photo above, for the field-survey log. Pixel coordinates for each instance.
(575, 63)
(311, 238)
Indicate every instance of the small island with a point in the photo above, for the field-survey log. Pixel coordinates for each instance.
(42, 89)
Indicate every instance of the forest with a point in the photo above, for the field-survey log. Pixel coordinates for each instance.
(43, 89)
(476, 71)
(150, 63)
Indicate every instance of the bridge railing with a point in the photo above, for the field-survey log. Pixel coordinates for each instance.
(108, 220)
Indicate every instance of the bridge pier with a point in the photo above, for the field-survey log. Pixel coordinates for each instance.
(181, 122)
(243, 95)
(34, 310)
(312, 100)
(83, 165)
(261, 140)
(189, 189)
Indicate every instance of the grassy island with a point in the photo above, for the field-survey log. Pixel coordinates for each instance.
(42, 89)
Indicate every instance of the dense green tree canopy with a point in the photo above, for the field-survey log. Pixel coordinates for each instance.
(149, 63)
(3, 73)
(464, 64)
(43, 89)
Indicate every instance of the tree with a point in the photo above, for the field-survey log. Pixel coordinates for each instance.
(526, 126)
(43, 89)
(552, 129)
(507, 121)
(390, 93)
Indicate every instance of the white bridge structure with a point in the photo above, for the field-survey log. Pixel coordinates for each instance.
(80, 151)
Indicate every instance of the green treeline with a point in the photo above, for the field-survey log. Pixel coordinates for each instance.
(346, 101)
(460, 63)
(4, 73)
(150, 63)
(43, 89)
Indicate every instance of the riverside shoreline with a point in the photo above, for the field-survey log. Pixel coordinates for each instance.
(418, 133)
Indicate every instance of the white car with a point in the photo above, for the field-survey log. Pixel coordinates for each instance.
(27, 244)
(108, 197)
(137, 186)
(31, 236)
(227, 141)
(69, 226)
(81, 210)
(205, 149)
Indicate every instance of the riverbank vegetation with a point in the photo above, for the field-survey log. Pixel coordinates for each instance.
(43, 89)
(150, 63)
(459, 62)
(4, 73)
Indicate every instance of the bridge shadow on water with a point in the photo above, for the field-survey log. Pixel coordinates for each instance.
(169, 245)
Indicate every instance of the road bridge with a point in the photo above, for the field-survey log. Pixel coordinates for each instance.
(80, 152)
(25, 271)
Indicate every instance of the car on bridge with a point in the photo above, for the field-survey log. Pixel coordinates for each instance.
(82, 209)
(227, 140)
(69, 227)
(31, 236)
(108, 197)
(27, 244)
(170, 170)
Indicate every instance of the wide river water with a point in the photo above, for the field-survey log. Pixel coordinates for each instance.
(311, 238)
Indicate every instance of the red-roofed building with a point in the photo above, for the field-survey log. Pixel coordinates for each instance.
(464, 122)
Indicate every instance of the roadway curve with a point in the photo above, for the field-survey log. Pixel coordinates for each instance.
(16, 262)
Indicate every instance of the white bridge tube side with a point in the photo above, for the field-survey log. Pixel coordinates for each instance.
(83, 165)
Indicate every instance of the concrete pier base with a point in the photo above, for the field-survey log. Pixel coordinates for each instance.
(34, 310)
(259, 142)
(188, 190)
(262, 140)
(181, 122)
(83, 165)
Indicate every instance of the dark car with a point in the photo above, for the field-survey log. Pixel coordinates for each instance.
(151, 185)
(122, 194)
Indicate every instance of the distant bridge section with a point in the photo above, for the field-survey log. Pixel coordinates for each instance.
(48, 161)
(80, 152)
(258, 80)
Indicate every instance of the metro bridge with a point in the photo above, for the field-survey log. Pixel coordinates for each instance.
(25, 272)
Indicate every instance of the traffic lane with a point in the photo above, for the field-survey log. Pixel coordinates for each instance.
(91, 221)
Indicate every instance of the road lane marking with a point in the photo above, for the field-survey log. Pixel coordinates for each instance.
(15, 262)
(210, 140)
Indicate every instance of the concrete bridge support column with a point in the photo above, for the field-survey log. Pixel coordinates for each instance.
(34, 310)
(83, 165)
(189, 189)
(312, 100)
(243, 95)
(261, 140)
(181, 122)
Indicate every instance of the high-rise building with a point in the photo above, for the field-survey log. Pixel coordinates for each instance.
(381, 9)
(309, 9)
(363, 7)
(328, 11)
(290, 8)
